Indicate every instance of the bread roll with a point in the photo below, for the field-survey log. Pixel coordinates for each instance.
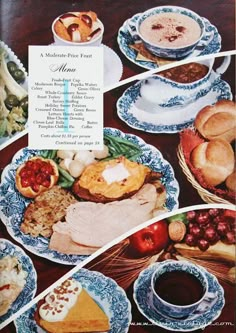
(215, 159)
(217, 121)
(231, 182)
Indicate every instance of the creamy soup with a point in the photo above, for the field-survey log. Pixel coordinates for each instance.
(170, 30)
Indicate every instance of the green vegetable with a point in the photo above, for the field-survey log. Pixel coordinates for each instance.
(11, 66)
(3, 127)
(179, 217)
(13, 87)
(18, 75)
(65, 174)
(65, 179)
(3, 95)
(44, 153)
(24, 104)
(121, 147)
(11, 101)
(64, 183)
(51, 154)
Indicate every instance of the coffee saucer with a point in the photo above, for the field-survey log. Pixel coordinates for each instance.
(138, 114)
(113, 68)
(142, 296)
(125, 39)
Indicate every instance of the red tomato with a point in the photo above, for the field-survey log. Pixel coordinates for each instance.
(150, 240)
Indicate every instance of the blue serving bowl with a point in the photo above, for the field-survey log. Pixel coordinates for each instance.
(170, 52)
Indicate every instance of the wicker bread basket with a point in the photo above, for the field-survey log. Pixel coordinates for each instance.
(206, 196)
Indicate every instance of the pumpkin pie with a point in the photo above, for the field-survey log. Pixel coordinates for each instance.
(85, 315)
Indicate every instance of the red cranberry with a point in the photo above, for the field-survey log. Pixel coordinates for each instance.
(203, 218)
(222, 228)
(190, 240)
(203, 244)
(210, 234)
(214, 212)
(229, 237)
(196, 231)
(191, 215)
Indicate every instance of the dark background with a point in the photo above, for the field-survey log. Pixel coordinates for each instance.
(28, 22)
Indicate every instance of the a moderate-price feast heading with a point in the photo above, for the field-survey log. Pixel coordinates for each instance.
(65, 97)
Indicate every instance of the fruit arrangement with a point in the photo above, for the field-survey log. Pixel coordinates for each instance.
(77, 26)
(205, 237)
(200, 230)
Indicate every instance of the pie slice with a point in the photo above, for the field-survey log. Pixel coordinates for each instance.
(84, 316)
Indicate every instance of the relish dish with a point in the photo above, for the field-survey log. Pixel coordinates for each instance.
(78, 29)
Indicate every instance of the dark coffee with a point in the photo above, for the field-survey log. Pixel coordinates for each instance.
(179, 288)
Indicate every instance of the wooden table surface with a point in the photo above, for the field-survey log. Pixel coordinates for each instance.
(28, 22)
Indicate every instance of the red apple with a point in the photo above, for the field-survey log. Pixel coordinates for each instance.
(150, 240)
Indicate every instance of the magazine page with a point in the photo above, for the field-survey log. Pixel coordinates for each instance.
(117, 160)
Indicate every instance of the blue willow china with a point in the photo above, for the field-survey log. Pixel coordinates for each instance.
(125, 39)
(106, 293)
(142, 295)
(13, 204)
(131, 114)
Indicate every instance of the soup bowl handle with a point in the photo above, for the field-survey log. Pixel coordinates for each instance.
(132, 28)
(202, 44)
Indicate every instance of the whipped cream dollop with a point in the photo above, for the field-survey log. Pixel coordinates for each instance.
(58, 302)
(115, 173)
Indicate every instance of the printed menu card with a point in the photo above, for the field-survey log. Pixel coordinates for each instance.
(65, 97)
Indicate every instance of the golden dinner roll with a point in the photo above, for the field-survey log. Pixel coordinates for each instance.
(231, 182)
(217, 121)
(215, 159)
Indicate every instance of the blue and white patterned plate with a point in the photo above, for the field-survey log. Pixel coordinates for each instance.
(105, 291)
(142, 290)
(132, 109)
(29, 290)
(124, 39)
(13, 204)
